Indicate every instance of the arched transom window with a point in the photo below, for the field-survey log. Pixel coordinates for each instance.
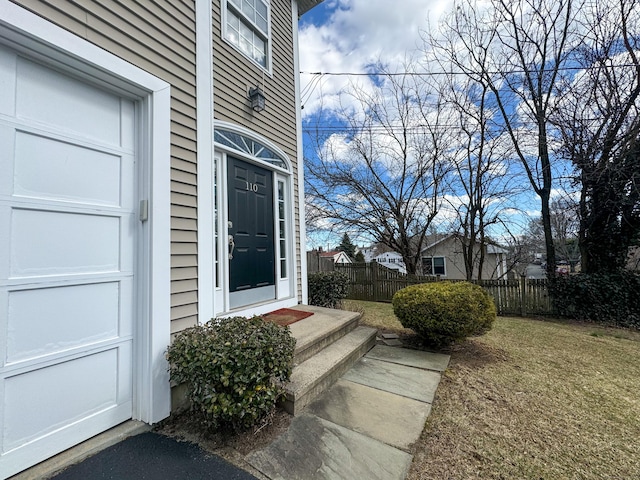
(249, 146)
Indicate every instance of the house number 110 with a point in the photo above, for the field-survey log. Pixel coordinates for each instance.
(252, 187)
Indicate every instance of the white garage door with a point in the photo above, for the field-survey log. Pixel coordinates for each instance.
(67, 241)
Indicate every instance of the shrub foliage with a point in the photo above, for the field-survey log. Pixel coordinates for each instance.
(234, 369)
(327, 289)
(609, 299)
(445, 312)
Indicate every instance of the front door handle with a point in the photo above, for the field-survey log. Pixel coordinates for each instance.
(232, 246)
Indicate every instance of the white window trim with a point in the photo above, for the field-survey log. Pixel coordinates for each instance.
(433, 267)
(239, 129)
(41, 39)
(269, 62)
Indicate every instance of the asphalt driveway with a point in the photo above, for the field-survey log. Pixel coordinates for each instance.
(150, 456)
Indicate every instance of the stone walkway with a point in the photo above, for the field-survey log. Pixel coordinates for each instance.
(364, 425)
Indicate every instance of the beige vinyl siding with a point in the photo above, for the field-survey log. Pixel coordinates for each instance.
(159, 37)
(234, 73)
(451, 249)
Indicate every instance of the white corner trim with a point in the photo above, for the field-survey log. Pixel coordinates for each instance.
(156, 395)
(205, 156)
(39, 38)
(300, 153)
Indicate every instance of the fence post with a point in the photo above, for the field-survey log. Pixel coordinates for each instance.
(523, 295)
(374, 280)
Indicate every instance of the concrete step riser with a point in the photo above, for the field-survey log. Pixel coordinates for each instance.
(326, 374)
(311, 349)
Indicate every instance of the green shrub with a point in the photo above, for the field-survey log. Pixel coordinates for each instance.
(327, 289)
(444, 312)
(608, 299)
(234, 369)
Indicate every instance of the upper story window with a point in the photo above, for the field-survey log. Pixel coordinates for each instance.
(247, 28)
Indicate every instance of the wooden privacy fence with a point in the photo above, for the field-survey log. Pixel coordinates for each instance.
(373, 282)
(316, 263)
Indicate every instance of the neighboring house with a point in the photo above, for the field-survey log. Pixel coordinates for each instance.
(444, 257)
(141, 193)
(336, 256)
(391, 260)
(369, 253)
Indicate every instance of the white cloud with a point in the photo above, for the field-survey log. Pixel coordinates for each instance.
(357, 34)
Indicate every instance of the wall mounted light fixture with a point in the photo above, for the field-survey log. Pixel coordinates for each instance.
(257, 99)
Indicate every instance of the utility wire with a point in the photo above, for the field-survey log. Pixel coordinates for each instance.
(429, 74)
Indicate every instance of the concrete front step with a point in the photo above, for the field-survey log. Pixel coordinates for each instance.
(321, 329)
(311, 377)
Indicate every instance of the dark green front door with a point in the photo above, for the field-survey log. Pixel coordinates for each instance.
(251, 241)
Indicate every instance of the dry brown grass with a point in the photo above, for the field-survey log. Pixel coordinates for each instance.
(534, 399)
(376, 315)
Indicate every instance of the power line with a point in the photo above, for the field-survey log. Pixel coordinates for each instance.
(408, 129)
(438, 73)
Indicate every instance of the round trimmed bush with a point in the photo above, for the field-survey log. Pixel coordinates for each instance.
(445, 312)
(234, 369)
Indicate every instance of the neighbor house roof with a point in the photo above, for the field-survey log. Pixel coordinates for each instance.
(332, 253)
(492, 247)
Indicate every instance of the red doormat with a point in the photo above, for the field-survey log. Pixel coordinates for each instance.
(286, 316)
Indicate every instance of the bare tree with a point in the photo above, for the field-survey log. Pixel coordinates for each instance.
(383, 174)
(480, 159)
(519, 50)
(565, 223)
(598, 115)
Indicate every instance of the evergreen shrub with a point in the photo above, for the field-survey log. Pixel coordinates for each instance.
(445, 312)
(607, 299)
(327, 289)
(234, 369)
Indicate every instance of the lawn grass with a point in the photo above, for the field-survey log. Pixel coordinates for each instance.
(377, 315)
(532, 399)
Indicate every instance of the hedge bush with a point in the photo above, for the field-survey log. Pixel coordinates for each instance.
(327, 289)
(234, 369)
(608, 299)
(445, 312)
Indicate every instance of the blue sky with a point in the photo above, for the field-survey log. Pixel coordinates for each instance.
(341, 36)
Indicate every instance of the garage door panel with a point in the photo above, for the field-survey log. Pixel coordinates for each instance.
(7, 81)
(127, 125)
(60, 101)
(68, 236)
(7, 140)
(47, 321)
(45, 400)
(48, 168)
(56, 243)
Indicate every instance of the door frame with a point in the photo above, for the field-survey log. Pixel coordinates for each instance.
(285, 295)
(42, 41)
